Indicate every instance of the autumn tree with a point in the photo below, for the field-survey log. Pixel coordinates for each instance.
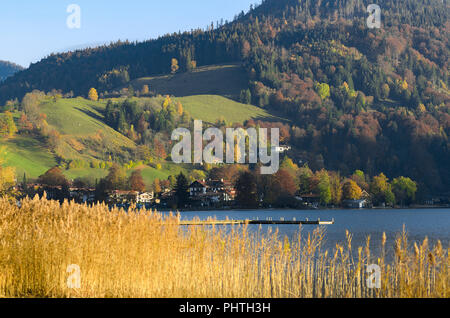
(165, 185)
(116, 178)
(157, 186)
(289, 165)
(360, 178)
(323, 90)
(145, 90)
(381, 191)
(286, 182)
(336, 188)
(7, 174)
(25, 126)
(136, 182)
(159, 149)
(93, 95)
(173, 181)
(7, 124)
(179, 109)
(174, 66)
(53, 177)
(351, 191)
(245, 48)
(30, 105)
(167, 101)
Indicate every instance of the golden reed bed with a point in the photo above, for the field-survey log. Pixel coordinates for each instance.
(145, 255)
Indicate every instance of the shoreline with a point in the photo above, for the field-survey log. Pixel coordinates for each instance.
(421, 207)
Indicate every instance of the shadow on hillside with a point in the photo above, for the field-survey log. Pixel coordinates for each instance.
(224, 80)
(90, 114)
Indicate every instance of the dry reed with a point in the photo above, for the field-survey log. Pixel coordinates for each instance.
(143, 254)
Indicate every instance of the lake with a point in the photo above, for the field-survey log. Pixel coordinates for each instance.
(419, 223)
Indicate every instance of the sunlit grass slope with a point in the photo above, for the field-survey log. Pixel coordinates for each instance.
(211, 108)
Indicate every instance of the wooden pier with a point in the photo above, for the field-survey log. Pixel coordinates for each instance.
(254, 222)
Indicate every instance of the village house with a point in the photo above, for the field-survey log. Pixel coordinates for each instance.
(130, 197)
(211, 192)
(309, 200)
(355, 204)
(80, 195)
(145, 197)
(50, 192)
(197, 188)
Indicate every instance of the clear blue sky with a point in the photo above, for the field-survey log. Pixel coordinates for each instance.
(32, 29)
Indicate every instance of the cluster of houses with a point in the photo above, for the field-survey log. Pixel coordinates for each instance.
(313, 201)
(202, 193)
(207, 193)
(88, 195)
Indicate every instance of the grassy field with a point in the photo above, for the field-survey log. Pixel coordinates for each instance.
(211, 108)
(78, 117)
(28, 156)
(225, 80)
(79, 122)
(74, 116)
(49, 250)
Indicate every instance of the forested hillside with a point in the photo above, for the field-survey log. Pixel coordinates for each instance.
(7, 69)
(358, 98)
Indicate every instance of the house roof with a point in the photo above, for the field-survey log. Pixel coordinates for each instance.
(211, 184)
(198, 184)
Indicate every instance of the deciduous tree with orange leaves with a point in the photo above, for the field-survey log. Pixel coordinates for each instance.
(174, 67)
(136, 181)
(93, 95)
(351, 191)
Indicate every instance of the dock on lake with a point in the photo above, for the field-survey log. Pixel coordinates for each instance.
(254, 222)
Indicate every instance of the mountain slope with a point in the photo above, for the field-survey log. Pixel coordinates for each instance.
(82, 136)
(78, 71)
(85, 140)
(377, 100)
(8, 69)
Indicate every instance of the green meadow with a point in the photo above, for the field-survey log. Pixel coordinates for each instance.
(28, 156)
(211, 108)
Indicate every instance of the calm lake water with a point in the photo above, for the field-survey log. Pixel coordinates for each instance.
(419, 223)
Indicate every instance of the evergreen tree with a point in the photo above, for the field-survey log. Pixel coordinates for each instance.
(181, 190)
(246, 190)
(25, 182)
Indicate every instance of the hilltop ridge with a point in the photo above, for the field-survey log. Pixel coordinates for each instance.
(8, 69)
